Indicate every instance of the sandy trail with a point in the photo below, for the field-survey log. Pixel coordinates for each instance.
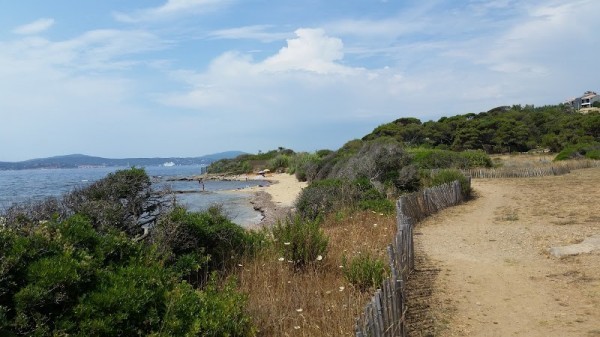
(496, 278)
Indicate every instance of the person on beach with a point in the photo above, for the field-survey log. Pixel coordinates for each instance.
(201, 183)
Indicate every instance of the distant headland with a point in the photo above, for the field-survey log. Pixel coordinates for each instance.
(82, 161)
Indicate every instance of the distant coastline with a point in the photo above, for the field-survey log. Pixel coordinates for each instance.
(85, 161)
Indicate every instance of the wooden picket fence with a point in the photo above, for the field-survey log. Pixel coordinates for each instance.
(554, 169)
(385, 314)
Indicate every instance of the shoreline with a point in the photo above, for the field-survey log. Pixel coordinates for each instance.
(274, 201)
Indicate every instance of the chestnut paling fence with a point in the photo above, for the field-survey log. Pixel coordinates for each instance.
(553, 169)
(385, 314)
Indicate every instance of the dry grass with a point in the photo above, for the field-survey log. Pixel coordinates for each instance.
(318, 301)
(520, 160)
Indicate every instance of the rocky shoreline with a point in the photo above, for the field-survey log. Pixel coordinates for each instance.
(271, 212)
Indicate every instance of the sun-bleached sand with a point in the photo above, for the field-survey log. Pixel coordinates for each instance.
(284, 188)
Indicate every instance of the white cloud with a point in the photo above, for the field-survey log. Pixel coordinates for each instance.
(304, 81)
(312, 50)
(547, 39)
(92, 50)
(171, 9)
(34, 27)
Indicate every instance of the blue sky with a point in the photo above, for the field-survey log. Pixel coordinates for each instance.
(192, 77)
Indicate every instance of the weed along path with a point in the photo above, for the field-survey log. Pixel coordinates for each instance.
(494, 275)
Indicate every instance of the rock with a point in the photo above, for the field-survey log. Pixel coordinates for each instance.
(586, 246)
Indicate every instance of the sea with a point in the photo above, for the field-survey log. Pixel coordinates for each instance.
(18, 186)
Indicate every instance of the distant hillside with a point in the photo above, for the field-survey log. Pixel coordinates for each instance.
(80, 160)
(503, 129)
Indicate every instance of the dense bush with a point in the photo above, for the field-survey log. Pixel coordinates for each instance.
(303, 164)
(434, 158)
(301, 241)
(503, 129)
(325, 196)
(66, 278)
(200, 242)
(582, 150)
(364, 271)
(279, 163)
(247, 163)
(449, 175)
(476, 158)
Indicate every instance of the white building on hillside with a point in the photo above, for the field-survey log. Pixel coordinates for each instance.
(585, 101)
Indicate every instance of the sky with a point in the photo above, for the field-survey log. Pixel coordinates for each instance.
(161, 78)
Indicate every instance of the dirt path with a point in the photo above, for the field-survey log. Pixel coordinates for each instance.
(493, 275)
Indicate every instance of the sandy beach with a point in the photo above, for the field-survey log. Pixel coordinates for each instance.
(275, 200)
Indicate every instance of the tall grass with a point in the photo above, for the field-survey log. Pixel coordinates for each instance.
(319, 301)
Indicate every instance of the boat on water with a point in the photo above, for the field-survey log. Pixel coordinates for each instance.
(169, 164)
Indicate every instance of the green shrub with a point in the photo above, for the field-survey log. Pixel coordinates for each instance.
(320, 198)
(384, 206)
(476, 158)
(449, 175)
(323, 197)
(66, 278)
(435, 158)
(299, 165)
(300, 241)
(582, 150)
(364, 271)
(279, 163)
(202, 241)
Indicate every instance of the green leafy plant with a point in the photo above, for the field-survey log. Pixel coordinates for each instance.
(300, 241)
(449, 175)
(364, 271)
(583, 150)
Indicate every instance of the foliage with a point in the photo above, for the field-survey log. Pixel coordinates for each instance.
(581, 150)
(279, 164)
(476, 158)
(199, 242)
(325, 196)
(503, 129)
(301, 241)
(66, 278)
(247, 163)
(364, 271)
(382, 205)
(377, 160)
(301, 165)
(436, 158)
(446, 176)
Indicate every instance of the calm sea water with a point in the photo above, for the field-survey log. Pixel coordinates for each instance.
(24, 185)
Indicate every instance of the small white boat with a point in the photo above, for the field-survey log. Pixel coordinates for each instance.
(169, 164)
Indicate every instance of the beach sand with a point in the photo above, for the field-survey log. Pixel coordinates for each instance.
(284, 188)
(276, 200)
